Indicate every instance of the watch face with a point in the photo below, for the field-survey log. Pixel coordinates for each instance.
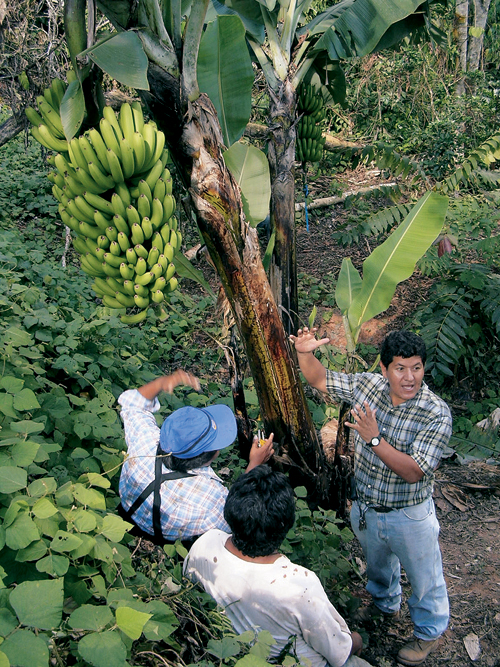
(374, 442)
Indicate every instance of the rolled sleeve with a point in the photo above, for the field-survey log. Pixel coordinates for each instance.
(428, 446)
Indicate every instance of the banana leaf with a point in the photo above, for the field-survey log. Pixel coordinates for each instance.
(348, 285)
(72, 109)
(250, 169)
(394, 260)
(123, 58)
(225, 74)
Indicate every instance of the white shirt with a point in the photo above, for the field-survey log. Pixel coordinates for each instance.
(281, 597)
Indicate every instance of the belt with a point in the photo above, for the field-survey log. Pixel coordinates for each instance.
(381, 509)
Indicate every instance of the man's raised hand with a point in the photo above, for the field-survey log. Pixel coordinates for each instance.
(306, 341)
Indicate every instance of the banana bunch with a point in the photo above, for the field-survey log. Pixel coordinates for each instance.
(47, 127)
(115, 194)
(310, 142)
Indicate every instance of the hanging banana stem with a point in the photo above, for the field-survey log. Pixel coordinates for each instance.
(306, 193)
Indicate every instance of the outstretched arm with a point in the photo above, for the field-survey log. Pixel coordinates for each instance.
(168, 383)
(305, 343)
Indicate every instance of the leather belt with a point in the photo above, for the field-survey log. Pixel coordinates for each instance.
(381, 509)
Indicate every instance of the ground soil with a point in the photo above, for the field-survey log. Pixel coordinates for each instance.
(467, 496)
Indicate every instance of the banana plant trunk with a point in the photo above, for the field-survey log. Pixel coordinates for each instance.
(195, 141)
(281, 156)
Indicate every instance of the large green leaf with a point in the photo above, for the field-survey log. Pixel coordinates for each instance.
(123, 58)
(250, 168)
(356, 28)
(185, 269)
(395, 259)
(24, 649)
(249, 12)
(72, 109)
(348, 285)
(225, 74)
(104, 649)
(38, 603)
(12, 479)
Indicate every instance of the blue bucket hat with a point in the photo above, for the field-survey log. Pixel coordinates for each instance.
(189, 431)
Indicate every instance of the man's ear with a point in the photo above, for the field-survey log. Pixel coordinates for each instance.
(383, 369)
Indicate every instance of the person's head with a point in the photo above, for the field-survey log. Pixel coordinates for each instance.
(193, 436)
(402, 361)
(260, 510)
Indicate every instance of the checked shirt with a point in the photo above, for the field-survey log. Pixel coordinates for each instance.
(420, 427)
(189, 506)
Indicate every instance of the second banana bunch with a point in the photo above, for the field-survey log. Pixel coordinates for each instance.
(310, 142)
(115, 194)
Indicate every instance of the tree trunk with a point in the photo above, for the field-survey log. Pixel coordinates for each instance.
(481, 8)
(281, 156)
(195, 141)
(460, 33)
(10, 129)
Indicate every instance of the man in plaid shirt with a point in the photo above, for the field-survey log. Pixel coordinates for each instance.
(401, 429)
(170, 466)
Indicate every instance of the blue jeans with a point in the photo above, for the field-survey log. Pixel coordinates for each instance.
(406, 537)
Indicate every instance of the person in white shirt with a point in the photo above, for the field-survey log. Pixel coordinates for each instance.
(261, 589)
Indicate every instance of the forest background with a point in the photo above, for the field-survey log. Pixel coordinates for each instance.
(77, 589)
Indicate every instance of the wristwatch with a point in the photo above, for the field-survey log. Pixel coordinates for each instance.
(374, 442)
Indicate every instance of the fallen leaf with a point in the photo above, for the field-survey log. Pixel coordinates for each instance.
(471, 643)
(455, 496)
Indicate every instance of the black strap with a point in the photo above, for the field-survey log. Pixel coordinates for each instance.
(155, 487)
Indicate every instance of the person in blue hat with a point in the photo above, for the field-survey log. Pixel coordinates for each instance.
(167, 486)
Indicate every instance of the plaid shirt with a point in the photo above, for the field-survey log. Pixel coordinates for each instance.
(189, 506)
(420, 427)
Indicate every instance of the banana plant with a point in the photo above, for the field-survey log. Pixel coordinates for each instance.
(291, 50)
(176, 80)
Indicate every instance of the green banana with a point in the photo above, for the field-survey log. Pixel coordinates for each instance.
(89, 230)
(99, 203)
(79, 245)
(114, 249)
(153, 256)
(147, 227)
(156, 240)
(101, 220)
(127, 158)
(33, 116)
(157, 296)
(123, 241)
(49, 140)
(141, 290)
(138, 146)
(126, 272)
(88, 152)
(125, 300)
(172, 223)
(134, 319)
(93, 262)
(169, 252)
(109, 137)
(117, 205)
(159, 284)
(111, 271)
(126, 120)
(143, 206)
(154, 174)
(160, 190)
(112, 233)
(141, 251)
(104, 287)
(145, 278)
(172, 285)
(128, 286)
(138, 116)
(111, 118)
(122, 190)
(115, 167)
(103, 242)
(141, 301)
(51, 117)
(131, 256)
(121, 224)
(111, 302)
(156, 270)
(88, 182)
(168, 207)
(140, 267)
(137, 235)
(105, 181)
(100, 148)
(85, 208)
(165, 234)
(113, 260)
(76, 156)
(170, 272)
(73, 185)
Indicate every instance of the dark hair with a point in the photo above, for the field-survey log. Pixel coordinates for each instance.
(260, 510)
(402, 344)
(183, 465)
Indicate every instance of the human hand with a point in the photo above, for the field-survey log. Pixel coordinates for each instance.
(306, 341)
(179, 377)
(260, 453)
(364, 421)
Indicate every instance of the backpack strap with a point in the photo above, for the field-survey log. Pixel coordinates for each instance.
(154, 488)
